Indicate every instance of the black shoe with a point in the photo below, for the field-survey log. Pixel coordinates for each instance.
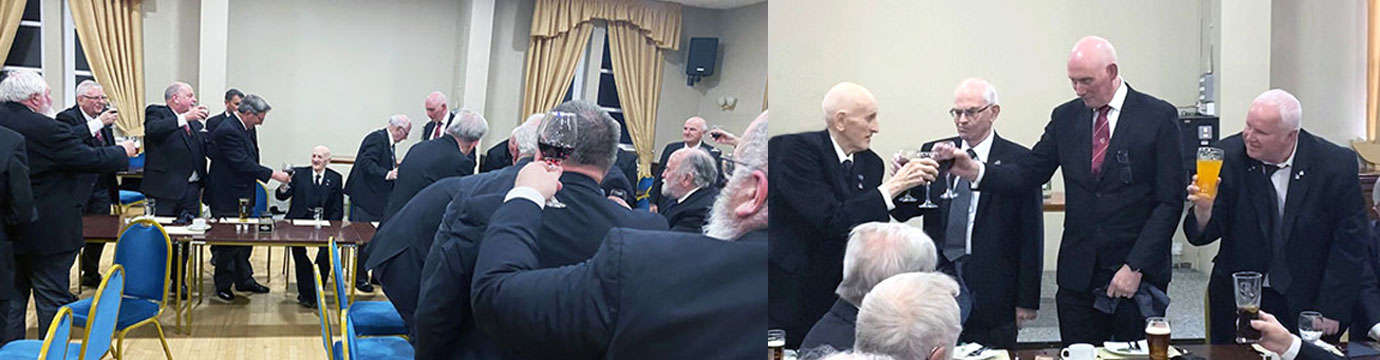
(91, 281)
(225, 295)
(364, 286)
(185, 293)
(253, 287)
(307, 304)
(374, 280)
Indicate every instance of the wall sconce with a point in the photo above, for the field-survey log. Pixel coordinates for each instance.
(728, 103)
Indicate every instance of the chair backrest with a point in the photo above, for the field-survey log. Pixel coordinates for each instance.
(137, 162)
(145, 251)
(55, 344)
(105, 310)
(260, 199)
(342, 299)
(349, 342)
(325, 319)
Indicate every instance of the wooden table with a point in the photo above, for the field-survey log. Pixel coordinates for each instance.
(1228, 351)
(1055, 202)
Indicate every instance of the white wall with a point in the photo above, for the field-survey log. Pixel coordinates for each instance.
(508, 61)
(1318, 53)
(171, 39)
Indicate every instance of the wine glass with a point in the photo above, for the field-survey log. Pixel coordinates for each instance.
(905, 155)
(556, 139)
(1309, 330)
(950, 180)
(927, 204)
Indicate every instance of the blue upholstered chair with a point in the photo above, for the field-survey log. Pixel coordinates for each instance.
(375, 318)
(145, 252)
(354, 348)
(53, 346)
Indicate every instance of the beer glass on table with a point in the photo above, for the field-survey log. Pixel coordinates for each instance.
(1157, 336)
(1247, 286)
(1310, 326)
(244, 211)
(776, 344)
(1209, 168)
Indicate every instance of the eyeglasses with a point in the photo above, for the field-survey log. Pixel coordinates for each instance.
(95, 97)
(727, 163)
(970, 113)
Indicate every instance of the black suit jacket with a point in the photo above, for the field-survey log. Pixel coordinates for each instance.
(173, 155)
(810, 220)
(235, 169)
(1125, 216)
(614, 179)
(430, 127)
(655, 192)
(102, 182)
(568, 235)
(1007, 256)
(690, 215)
(305, 194)
(56, 157)
(215, 121)
(496, 157)
(367, 186)
(641, 293)
(16, 202)
(426, 163)
(1367, 312)
(1324, 224)
(836, 329)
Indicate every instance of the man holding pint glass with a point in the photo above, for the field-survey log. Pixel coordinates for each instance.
(1287, 207)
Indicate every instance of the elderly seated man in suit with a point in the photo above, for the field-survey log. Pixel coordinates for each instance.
(875, 252)
(910, 316)
(688, 185)
(692, 137)
(313, 188)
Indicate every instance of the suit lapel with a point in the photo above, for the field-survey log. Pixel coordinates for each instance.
(831, 164)
(1082, 148)
(1299, 183)
(1125, 126)
(1260, 191)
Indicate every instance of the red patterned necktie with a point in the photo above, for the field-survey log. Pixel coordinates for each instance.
(188, 129)
(437, 132)
(1101, 136)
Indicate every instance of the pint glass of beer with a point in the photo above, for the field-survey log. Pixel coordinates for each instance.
(776, 344)
(1247, 286)
(1157, 335)
(1209, 167)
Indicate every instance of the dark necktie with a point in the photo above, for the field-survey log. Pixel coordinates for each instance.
(1279, 268)
(956, 232)
(851, 178)
(318, 179)
(393, 156)
(1101, 136)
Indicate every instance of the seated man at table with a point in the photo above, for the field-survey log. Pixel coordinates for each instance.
(311, 188)
(1276, 338)
(910, 316)
(875, 252)
(1365, 322)
(688, 183)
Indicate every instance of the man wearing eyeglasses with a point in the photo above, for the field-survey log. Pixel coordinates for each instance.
(992, 243)
(90, 118)
(1120, 153)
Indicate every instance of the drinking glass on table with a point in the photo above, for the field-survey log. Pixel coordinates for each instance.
(1310, 326)
(316, 216)
(1157, 336)
(556, 139)
(776, 344)
(1247, 289)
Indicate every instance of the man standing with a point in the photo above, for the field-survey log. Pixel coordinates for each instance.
(688, 183)
(1120, 152)
(232, 102)
(235, 172)
(16, 208)
(177, 145)
(312, 188)
(440, 115)
(47, 244)
(831, 182)
(438, 158)
(91, 120)
(992, 243)
(691, 137)
(371, 181)
(1288, 206)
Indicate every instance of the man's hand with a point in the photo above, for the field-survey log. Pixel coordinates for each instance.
(1024, 315)
(914, 173)
(1273, 336)
(653, 208)
(392, 175)
(964, 166)
(281, 176)
(1125, 283)
(897, 161)
(1328, 326)
(620, 201)
(1202, 201)
(108, 117)
(545, 179)
(130, 149)
(723, 137)
(196, 113)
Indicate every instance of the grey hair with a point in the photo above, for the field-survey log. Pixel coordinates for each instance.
(989, 92)
(700, 165)
(87, 85)
(751, 157)
(909, 315)
(878, 250)
(469, 126)
(1290, 110)
(253, 104)
(21, 84)
(1375, 194)
(172, 89)
(829, 353)
(596, 141)
(398, 120)
(525, 135)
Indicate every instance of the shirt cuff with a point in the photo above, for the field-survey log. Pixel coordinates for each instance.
(181, 120)
(526, 193)
(982, 170)
(94, 126)
(1375, 332)
(886, 198)
(1293, 349)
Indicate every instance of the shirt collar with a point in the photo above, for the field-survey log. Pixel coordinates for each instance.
(687, 195)
(983, 148)
(321, 173)
(839, 150)
(697, 144)
(389, 135)
(1287, 162)
(246, 126)
(83, 114)
(1119, 97)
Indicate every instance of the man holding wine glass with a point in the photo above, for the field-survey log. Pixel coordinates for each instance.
(992, 243)
(312, 189)
(1287, 205)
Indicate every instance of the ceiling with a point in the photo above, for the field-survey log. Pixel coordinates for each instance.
(716, 4)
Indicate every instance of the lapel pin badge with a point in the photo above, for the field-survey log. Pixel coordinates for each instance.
(1299, 175)
(998, 162)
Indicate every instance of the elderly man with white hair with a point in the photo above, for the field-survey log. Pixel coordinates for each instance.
(45, 249)
(92, 120)
(692, 137)
(911, 316)
(438, 158)
(371, 181)
(313, 188)
(875, 252)
(1288, 205)
(689, 183)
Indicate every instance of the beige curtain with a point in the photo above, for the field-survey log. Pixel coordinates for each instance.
(1372, 69)
(112, 35)
(11, 12)
(637, 69)
(659, 21)
(551, 65)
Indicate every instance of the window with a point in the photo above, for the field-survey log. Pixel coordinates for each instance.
(27, 50)
(606, 93)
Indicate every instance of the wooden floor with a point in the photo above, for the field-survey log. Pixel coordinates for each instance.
(254, 326)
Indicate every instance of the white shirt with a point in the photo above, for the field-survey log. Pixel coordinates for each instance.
(1375, 332)
(318, 176)
(687, 195)
(1294, 347)
(838, 150)
(983, 150)
(93, 125)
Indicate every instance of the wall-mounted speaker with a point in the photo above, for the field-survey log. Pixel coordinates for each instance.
(700, 61)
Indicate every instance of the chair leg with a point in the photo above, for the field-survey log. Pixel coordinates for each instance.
(268, 279)
(166, 351)
(119, 350)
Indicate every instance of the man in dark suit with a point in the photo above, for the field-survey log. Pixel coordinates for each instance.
(436, 159)
(497, 157)
(1120, 152)
(688, 184)
(692, 134)
(569, 235)
(235, 173)
(1276, 338)
(312, 188)
(371, 181)
(177, 146)
(440, 115)
(400, 247)
(232, 102)
(1303, 227)
(1365, 322)
(876, 251)
(91, 120)
(830, 182)
(46, 247)
(16, 207)
(991, 243)
(642, 292)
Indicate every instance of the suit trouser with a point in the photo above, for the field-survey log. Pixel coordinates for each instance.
(1222, 308)
(306, 286)
(98, 204)
(47, 276)
(1079, 322)
(231, 261)
(190, 203)
(976, 319)
(358, 213)
(401, 280)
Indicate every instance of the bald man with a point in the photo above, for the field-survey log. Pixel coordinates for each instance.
(1124, 181)
(440, 115)
(691, 135)
(830, 181)
(1289, 206)
(313, 187)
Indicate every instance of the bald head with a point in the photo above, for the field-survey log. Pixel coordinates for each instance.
(1092, 69)
(320, 156)
(1272, 126)
(436, 107)
(850, 112)
(693, 130)
(180, 97)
